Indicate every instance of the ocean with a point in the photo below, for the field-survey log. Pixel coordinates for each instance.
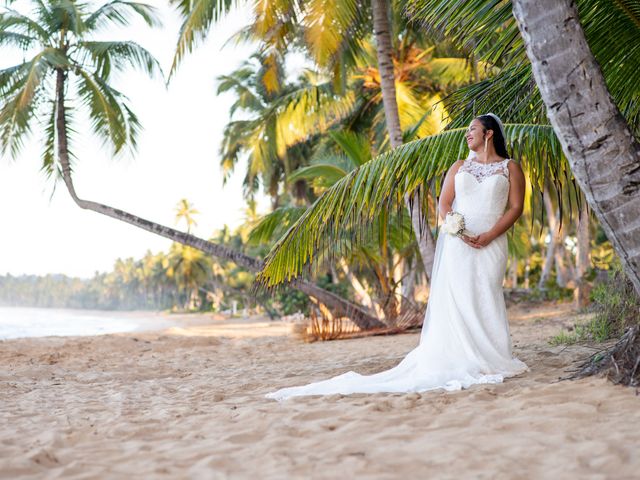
(20, 322)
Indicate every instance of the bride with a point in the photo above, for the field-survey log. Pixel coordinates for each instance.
(465, 335)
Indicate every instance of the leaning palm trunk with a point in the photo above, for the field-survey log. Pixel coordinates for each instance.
(582, 258)
(362, 295)
(384, 49)
(603, 154)
(338, 305)
(553, 239)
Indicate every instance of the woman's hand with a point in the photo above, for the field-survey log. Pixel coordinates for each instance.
(478, 241)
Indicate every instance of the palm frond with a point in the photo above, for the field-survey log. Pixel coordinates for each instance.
(326, 23)
(119, 13)
(486, 27)
(19, 40)
(352, 204)
(613, 34)
(198, 16)
(111, 119)
(118, 56)
(274, 224)
(320, 174)
(309, 110)
(67, 15)
(355, 145)
(612, 29)
(513, 92)
(22, 24)
(21, 84)
(12, 78)
(49, 164)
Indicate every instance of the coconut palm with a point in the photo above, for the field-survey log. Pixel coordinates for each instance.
(185, 211)
(189, 269)
(69, 71)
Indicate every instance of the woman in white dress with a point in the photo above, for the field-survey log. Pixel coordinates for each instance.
(465, 335)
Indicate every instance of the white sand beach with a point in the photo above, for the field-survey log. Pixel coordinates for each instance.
(188, 402)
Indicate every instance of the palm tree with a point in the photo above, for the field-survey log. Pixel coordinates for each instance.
(189, 269)
(186, 211)
(599, 144)
(67, 62)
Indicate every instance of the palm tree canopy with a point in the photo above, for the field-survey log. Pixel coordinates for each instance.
(612, 29)
(59, 32)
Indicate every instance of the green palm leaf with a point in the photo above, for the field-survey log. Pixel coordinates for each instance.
(274, 224)
(612, 28)
(350, 207)
(23, 25)
(119, 12)
(321, 174)
(356, 146)
(21, 84)
(198, 16)
(111, 118)
(119, 56)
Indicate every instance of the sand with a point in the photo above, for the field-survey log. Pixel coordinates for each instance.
(189, 403)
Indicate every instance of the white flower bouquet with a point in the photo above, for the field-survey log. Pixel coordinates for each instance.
(453, 224)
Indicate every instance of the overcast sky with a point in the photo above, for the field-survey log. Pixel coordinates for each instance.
(177, 158)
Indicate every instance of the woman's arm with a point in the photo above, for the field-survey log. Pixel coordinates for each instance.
(448, 192)
(516, 203)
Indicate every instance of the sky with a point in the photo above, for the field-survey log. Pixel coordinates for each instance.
(177, 157)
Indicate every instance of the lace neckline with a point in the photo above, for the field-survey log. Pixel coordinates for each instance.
(482, 171)
(472, 159)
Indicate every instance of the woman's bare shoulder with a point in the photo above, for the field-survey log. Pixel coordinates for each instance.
(514, 166)
(515, 170)
(454, 168)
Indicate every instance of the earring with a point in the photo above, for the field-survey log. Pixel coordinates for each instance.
(486, 140)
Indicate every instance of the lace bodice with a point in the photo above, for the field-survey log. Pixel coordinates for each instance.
(481, 193)
(481, 171)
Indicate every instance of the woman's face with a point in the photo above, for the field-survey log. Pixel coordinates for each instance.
(475, 135)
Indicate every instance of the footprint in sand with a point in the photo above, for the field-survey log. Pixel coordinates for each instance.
(45, 458)
(381, 406)
(310, 416)
(244, 438)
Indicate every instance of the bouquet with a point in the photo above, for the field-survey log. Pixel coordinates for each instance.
(453, 223)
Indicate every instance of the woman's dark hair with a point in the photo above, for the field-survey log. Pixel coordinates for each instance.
(499, 143)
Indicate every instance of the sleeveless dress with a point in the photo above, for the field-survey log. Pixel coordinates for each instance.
(465, 335)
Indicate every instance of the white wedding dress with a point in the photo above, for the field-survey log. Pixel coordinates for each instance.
(465, 336)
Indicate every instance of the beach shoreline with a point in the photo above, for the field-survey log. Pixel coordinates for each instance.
(188, 402)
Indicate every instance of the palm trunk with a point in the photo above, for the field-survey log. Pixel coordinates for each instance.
(603, 154)
(362, 295)
(397, 272)
(384, 49)
(332, 301)
(408, 286)
(582, 258)
(553, 235)
(513, 272)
